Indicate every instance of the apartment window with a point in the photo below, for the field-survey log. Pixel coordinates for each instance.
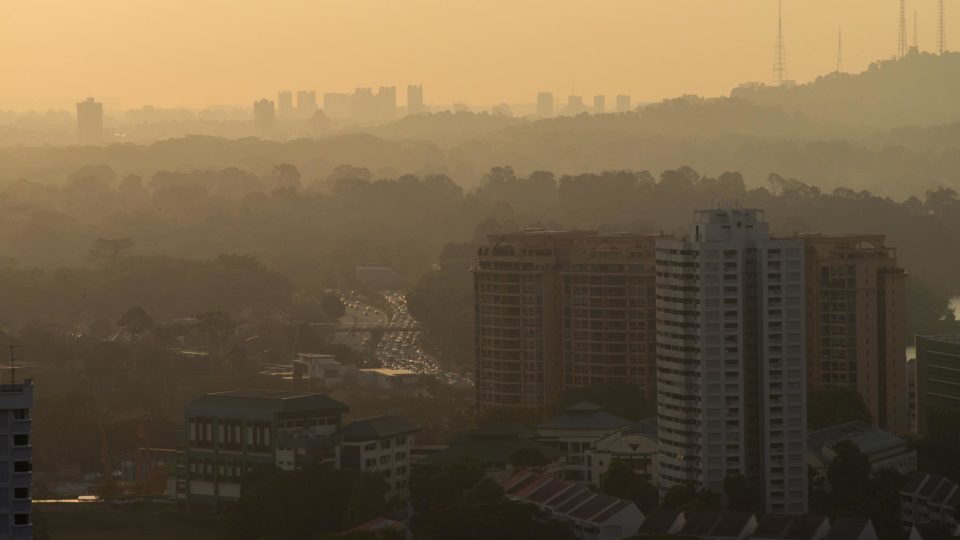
(21, 414)
(21, 439)
(22, 466)
(21, 493)
(21, 519)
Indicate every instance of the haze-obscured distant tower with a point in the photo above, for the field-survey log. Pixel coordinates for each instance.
(414, 99)
(780, 53)
(599, 104)
(623, 103)
(915, 48)
(306, 103)
(264, 115)
(386, 103)
(942, 30)
(902, 41)
(545, 104)
(840, 51)
(89, 121)
(285, 103)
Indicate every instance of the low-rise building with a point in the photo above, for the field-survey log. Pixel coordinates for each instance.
(635, 445)
(230, 434)
(929, 499)
(322, 369)
(500, 449)
(389, 379)
(379, 444)
(594, 516)
(575, 432)
(884, 449)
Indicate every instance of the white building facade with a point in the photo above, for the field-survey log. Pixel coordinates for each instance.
(731, 394)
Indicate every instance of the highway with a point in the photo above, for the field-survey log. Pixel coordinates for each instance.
(397, 350)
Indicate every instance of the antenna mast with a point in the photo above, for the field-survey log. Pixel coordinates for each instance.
(780, 54)
(942, 30)
(840, 51)
(916, 34)
(902, 42)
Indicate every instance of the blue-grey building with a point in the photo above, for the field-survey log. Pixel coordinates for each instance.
(16, 460)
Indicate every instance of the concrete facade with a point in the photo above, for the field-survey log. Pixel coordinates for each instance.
(731, 391)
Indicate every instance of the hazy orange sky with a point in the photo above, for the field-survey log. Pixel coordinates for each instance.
(195, 53)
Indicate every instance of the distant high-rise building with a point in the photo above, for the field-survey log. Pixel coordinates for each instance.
(574, 106)
(562, 309)
(731, 395)
(337, 105)
(414, 99)
(306, 103)
(285, 104)
(502, 109)
(16, 404)
(363, 105)
(545, 104)
(599, 104)
(623, 103)
(89, 121)
(386, 104)
(264, 116)
(856, 323)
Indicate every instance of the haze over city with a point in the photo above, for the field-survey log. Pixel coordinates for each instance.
(451, 270)
(178, 53)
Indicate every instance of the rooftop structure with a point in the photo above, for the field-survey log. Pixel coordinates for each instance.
(884, 449)
(852, 528)
(719, 525)
(780, 526)
(595, 516)
(575, 431)
(496, 448)
(929, 499)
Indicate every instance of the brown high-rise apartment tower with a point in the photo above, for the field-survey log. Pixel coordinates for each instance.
(856, 323)
(562, 309)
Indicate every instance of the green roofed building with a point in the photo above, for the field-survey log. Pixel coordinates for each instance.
(231, 434)
(500, 449)
(938, 379)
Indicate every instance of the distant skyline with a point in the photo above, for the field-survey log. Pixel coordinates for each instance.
(175, 53)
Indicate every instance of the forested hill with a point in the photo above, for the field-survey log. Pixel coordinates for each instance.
(919, 89)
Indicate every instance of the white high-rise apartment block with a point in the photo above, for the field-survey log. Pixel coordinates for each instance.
(731, 394)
